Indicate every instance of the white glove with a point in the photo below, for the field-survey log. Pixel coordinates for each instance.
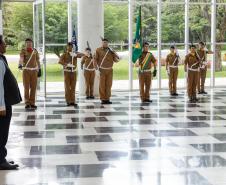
(98, 73)
(73, 54)
(70, 65)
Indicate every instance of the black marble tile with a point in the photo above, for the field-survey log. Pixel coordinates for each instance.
(23, 123)
(215, 147)
(88, 138)
(55, 149)
(121, 155)
(156, 115)
(215, 112)
(220, 136)
(113, 103)
(111, 155)
(81, 171)
(64, 126)
(189, 105)
(112, 129)
(31, 162)
(35, 134)
(199, 161)
(127, 108)
(42, 101)
(169, 133)
(34, 117)
(144, 104)
(189, 124)
(220, 107)
(138, 122)
(68, 111)
(110, 114)
(18, 110)
(90, 107)
(203, 118)
(173, 110)
(143, 143)
(89, 119)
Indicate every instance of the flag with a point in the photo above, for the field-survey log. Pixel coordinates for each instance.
(74, 41)
(137, 43)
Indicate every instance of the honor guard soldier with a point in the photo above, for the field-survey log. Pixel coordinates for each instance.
(191, 66)
(87, 65)
(202, 56)
(69, 62)
(30, 64)
(145, 64)
(172, 61)
(105, 58)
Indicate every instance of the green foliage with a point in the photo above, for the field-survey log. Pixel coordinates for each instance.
(116, 22)
(18, 22)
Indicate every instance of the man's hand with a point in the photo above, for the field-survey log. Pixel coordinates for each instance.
(20, 66)
(2, 113)
(154, 72)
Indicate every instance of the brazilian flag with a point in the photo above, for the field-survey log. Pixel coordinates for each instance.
(137, 43)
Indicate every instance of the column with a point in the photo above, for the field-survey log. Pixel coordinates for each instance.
(90, 28)
(131, 7)
(186, 27)
(69, 11)
(213, 41)
(159, 41)
(1, 23)
(44, 45)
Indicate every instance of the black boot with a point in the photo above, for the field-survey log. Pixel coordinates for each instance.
(8, 166)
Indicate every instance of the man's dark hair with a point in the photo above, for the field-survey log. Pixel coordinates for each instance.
(1, 39)
(88, 49)
(69, 44)
(105, 39)
(28, 40)
(145, 44)
(172, 47)
(192, 46)
(202, 43)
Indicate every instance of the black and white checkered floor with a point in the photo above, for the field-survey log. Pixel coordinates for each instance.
(167, 142)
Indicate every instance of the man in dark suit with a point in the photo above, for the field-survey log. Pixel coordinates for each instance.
(9, 95)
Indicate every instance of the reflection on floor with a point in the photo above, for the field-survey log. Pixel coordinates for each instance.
(168, 142)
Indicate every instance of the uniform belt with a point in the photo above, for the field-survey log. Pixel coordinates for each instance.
(144, 71)
(89, 69)
(31, 68)
(106, 68)
(190, 69)
(173, 66)
(203, 67)
(68, 70)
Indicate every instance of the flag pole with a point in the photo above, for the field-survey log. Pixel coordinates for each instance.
(131, 5)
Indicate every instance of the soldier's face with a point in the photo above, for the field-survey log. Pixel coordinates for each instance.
(88, 52)
(192, 50)
(3, 47)
(69, 48)
(146, 47)
(201, 46)
(172, 50)
(29, 44)
(105, 44)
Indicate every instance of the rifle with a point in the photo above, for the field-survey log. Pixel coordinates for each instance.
(88, 46)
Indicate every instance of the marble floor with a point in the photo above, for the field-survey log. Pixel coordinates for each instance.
(167, 142)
